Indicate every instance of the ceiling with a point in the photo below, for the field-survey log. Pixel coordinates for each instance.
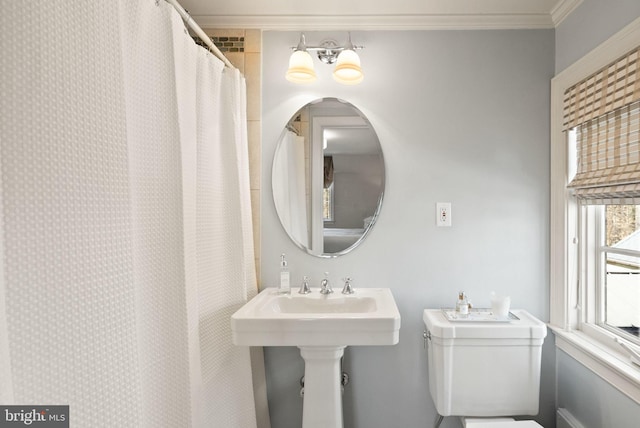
(379, 14)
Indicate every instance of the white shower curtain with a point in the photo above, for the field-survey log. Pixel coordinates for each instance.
(289, 178)
(126, 223)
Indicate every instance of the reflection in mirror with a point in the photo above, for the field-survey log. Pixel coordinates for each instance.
(328, 177)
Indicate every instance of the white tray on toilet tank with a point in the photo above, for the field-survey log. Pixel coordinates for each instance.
(477, 315)
(482, 368)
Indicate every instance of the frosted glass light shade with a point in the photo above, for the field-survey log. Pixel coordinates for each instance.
(301, 68)
(348, 71)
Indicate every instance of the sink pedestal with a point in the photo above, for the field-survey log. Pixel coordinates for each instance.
(322, 404)
(321, 326)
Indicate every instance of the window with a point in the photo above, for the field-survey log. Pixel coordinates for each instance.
(604, 162)
(611, 273)
(327, 203)
(328, 190)
(594, 224)
(620, 287)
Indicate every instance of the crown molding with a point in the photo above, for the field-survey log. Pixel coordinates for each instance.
(379, 22)
(562, 9)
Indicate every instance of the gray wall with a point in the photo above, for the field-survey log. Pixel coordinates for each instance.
(594, 402)
(593, 22)
(356, 191)
(462, 117)
(589, 398)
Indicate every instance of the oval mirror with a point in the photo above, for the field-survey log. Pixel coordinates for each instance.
(328, 177)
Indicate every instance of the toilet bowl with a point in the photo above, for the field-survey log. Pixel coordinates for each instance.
(497, 423)
(485, 369)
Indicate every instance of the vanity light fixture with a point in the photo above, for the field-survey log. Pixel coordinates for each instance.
(301, 64)
(347, 71)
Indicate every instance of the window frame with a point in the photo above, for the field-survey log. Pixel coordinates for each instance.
(602, 252)
(571, 305)
(591, 278)
(330, 191)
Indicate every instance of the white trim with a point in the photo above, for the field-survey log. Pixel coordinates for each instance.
(441, 17)
(562, 9)
(378, 22)
(606, 362)
(564, 419)
(603, 360)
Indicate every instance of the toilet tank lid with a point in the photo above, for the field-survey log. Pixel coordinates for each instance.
(526, 327)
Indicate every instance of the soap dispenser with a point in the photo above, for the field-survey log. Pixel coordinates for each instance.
(285, 285)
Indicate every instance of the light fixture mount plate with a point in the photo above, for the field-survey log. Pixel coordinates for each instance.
(329, 50)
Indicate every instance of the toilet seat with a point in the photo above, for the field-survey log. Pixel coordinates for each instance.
(498, 423)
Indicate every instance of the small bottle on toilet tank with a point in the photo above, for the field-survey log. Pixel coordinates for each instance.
(462, 307)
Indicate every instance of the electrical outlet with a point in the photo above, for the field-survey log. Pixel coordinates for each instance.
(443, 214)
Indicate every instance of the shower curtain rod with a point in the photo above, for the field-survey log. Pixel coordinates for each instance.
(201, 34)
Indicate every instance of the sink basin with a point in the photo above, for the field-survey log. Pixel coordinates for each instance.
(327, 305)
(367, 317)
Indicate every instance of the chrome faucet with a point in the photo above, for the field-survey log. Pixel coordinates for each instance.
(348, 289)
(325, 287)
(304, 287)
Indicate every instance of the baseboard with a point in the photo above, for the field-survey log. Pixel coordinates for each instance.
(564, 419)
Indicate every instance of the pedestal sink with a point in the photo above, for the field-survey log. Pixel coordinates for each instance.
(322, 326)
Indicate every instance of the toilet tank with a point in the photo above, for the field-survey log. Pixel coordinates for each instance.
(484, 368)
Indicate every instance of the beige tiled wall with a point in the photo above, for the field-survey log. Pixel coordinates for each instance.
(247, 60)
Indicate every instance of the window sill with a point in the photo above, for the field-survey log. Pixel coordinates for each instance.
(612, 366)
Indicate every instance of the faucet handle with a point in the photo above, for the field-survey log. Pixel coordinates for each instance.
(304, 287)
(348, 289)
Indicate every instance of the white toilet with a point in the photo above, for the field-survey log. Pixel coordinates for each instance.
(485, 371)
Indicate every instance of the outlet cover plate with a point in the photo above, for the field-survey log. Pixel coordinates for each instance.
(443, 214)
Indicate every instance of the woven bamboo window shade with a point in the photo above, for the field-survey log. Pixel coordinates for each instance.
(605, 110)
